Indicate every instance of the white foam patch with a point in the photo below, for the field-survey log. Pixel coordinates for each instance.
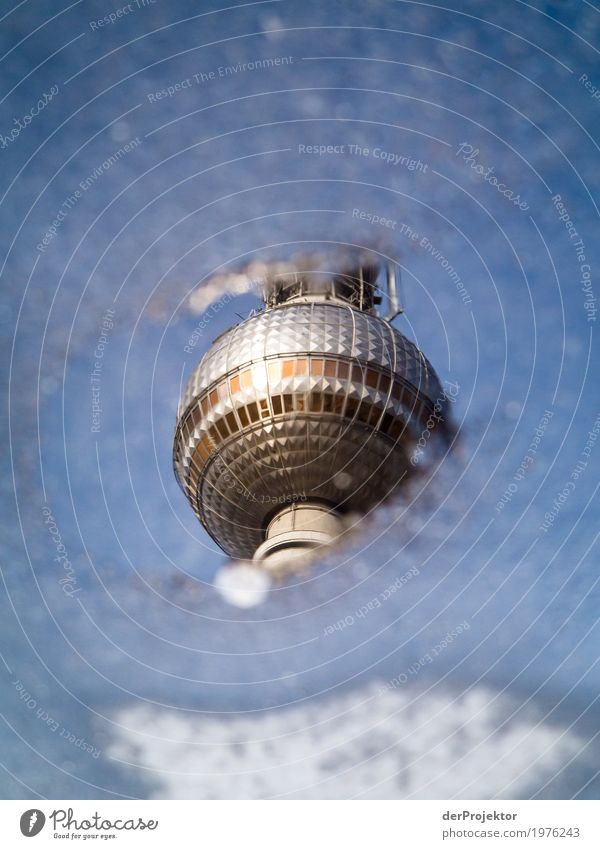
(372, 743)
(221, 286)
(242, 585)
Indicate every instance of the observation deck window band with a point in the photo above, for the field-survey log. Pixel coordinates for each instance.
(332, 368)
(355, 412)
(418, 407)
(380, 418)
(399, 388)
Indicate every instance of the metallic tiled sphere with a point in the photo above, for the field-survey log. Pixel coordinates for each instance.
(316, 402)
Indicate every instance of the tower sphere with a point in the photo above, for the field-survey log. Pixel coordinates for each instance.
(307, 411)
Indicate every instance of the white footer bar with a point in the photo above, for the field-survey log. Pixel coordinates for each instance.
(302, 824)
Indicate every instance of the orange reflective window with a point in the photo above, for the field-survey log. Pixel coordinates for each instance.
(246, 379)
(193, 418)
(214, 397)
(222, 428)
(232, 422)
(343, 371)
(316, 367)
(330, 368)
(338, 404)
(235, 383)
(300, 367)
(214, 435)
(196, 464)
(204, 405)
(204, 449)
(287, 368)
(274, 370)
(222, 390)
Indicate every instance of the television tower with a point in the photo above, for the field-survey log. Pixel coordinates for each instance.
(305, 414)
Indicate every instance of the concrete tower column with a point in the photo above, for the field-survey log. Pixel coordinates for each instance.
(295, 532)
